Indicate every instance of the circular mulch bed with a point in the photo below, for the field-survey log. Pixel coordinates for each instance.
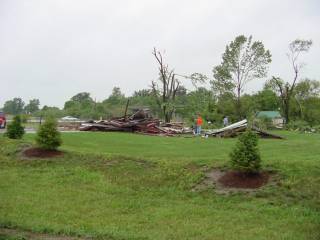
(234, 179)
(41, 153)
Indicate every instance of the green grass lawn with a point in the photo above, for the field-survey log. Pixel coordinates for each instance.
(127, 186)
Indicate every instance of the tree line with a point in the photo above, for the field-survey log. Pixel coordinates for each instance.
(243, 61)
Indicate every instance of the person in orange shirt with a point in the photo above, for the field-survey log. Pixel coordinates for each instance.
(198, 124)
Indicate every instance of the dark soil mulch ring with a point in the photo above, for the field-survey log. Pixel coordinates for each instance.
(41, 153)
(8, 233)
(234, 179)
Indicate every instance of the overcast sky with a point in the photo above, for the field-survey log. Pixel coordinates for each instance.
(54, 49)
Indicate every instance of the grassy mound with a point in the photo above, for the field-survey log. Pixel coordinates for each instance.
(125, 186)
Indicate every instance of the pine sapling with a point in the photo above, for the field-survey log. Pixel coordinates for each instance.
(48, 137)
(15, 130)
(245, 157)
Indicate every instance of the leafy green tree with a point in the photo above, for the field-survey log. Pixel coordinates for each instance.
(197, 79)
(245, 157)
(199, 101)
(113, 106)
(80, 105)
(48, 111)
(266, 100)
(32, 106)
(221, 82)
(15, 130)
(181, 91)
(312, 111)
(82, 97)
(73, 108)
(304, 104)
(48, 136)
(249, 105)
(116, 97)
(305, 90)
(14, 106)
(144, 99)
(142, 93)
(286, 90)
(226, 106)
(242, 62)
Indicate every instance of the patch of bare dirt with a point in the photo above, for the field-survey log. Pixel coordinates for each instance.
(6, 232)
(225, 182)
(41, 153)
(244, 180)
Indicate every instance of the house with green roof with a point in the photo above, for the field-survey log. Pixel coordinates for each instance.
(275, 116)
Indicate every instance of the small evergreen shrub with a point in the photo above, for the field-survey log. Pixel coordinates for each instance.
(15, 130)
(48, 137)
(245, 157)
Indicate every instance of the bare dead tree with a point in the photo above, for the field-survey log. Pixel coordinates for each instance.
(286, 89)
(165, 89)
(295, 49)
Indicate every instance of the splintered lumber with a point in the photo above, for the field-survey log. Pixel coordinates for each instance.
(232, 132)
(233, 127)
(101, 127)
(265, 134)
(138, 122)
(125, 112)
(237, 128)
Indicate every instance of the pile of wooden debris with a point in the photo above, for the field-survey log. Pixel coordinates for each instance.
(237, 128)
(139, 122)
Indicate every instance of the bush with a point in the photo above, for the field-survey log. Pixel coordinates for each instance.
(24, 118)
(245, 157)
(302, 127)
(316, 129)
(48, 137)
(263, 123)
(15, 130)
(296, 125)
(299, 126)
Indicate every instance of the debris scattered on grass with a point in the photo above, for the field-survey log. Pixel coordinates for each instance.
(139, 123)
(237, 128)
